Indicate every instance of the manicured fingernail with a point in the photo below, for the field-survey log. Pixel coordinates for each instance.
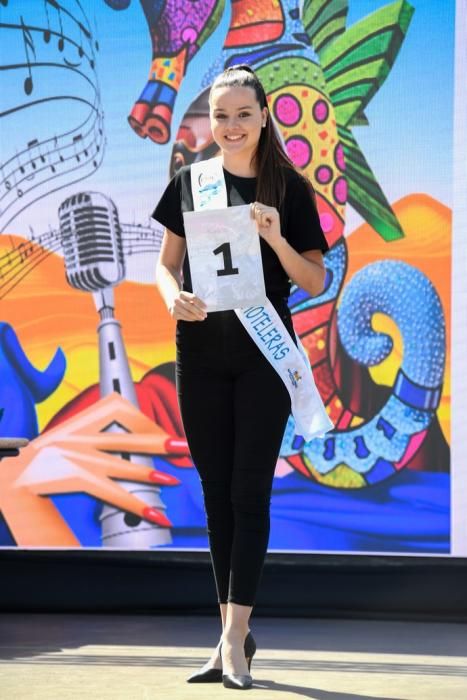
(157, 517)
(162, 478)
(177, 445)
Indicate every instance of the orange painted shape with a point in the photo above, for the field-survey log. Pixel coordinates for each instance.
(315, 346)
(297, 463)
(254, 23)
(306, 321)
(253, 34)
(172, 73)
(334, 413)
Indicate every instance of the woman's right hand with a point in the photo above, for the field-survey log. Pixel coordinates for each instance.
(182, 306)
(187, 307)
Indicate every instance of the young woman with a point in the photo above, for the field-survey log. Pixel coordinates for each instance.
(234, 405)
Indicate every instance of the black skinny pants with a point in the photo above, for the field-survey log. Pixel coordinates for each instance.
(234, 408)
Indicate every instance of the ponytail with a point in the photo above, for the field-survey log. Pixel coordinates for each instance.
(270, 158)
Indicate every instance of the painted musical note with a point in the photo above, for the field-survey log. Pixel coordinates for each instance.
(76, 140)
(87, 33)
(80, 47)
(56, 6)
(57, 149)
(5, 181)
(11, 183)
(96, 43)
(47, 32)
(28, 46)
(9, 186)
(24, 250)
(34, 145)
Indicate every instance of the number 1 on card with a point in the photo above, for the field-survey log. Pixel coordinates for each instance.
(227, 255)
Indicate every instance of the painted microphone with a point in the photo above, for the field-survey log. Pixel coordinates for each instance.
(91, 237)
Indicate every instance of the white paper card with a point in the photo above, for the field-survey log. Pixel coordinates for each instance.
(225, 257)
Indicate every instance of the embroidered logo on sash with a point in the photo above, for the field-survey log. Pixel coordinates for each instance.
(295, 377)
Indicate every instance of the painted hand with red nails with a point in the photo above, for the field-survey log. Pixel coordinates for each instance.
(77, 456)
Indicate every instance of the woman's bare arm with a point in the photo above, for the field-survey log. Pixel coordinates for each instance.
(181, 305)
(306, 269)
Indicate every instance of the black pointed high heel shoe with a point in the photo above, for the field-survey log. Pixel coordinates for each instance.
(237, 680)
(211, 675)
(214, 675)
(250, 648)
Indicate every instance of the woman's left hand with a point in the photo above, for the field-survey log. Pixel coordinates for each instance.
(268, 223)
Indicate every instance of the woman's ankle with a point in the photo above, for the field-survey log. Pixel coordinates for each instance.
(235, 635)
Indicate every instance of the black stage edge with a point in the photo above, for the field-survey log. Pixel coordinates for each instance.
(169, 582)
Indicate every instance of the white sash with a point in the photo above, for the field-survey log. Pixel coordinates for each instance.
(264, 324)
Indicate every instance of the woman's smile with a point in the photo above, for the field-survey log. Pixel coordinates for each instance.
(237, 137)
(236, 119)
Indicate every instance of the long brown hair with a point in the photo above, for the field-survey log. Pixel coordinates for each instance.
(269, 159)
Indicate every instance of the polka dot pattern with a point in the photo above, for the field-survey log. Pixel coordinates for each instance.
(323, 174)
(299, 150)
(339, 158)
(340, 190)
(307, 121)
(320, 111)
(287, 110)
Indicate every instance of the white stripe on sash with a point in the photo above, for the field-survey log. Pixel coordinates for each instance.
(264, 324)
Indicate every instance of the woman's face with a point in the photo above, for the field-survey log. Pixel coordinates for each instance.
(236, 119)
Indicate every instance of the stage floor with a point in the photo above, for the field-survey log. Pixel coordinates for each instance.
(148, 657)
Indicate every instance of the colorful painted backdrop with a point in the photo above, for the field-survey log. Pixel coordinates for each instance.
(100, 103)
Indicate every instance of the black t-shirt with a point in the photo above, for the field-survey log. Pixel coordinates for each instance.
(299, 219)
